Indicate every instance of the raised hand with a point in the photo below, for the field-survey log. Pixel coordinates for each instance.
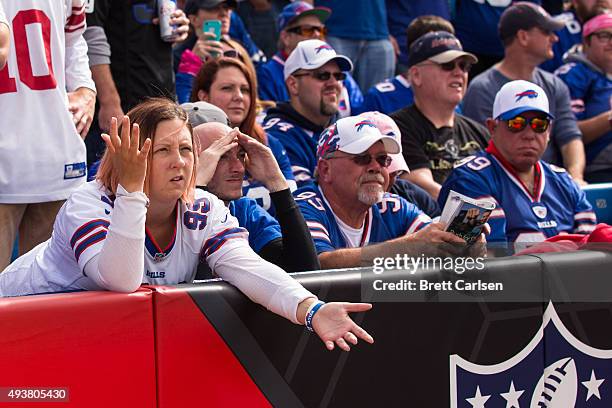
(261, 163)
(334, 326)
(179, 20)
(206, 47)
(128, 159)
(209, 158)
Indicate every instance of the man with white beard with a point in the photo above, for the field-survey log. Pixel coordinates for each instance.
(347, 209)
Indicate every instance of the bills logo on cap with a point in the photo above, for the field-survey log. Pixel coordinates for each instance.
(360, 125)
(301, 7)
(323, 47)
(555, 370)
(531, 94)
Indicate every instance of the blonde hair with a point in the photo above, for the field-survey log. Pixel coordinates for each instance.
(148, 115)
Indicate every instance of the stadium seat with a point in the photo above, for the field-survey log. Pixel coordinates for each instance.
(600, 197)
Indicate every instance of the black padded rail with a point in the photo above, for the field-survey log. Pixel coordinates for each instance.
(408, 365)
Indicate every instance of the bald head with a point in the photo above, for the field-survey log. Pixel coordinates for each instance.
(207, 133)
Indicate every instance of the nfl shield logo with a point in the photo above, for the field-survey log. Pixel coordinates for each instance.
(555, 370)
(540, 211)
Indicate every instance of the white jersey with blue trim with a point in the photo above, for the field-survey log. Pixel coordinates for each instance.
(559, 205)
(203, 231)
(393, 217)
(42, 157)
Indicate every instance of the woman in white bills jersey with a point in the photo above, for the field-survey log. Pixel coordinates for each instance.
(143, 220)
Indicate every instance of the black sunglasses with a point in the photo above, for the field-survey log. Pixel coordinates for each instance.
(364, 159)
(323, 76)
(463, 65)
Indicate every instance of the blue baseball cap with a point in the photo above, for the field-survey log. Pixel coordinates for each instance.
(437, 46)
(297, 9)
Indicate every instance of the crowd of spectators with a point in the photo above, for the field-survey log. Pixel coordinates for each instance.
(320, 127)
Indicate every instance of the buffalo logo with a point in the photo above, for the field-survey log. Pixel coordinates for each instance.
(531, 94)
(540, 211)
(360, 125)
(555, 370)
(329, 141)
(323, 47)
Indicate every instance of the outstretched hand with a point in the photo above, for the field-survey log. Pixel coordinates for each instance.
(334, 326)
(128, 159)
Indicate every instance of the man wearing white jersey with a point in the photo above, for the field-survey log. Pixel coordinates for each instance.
(46, 99)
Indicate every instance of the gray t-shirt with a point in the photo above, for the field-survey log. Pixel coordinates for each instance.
(478, 105)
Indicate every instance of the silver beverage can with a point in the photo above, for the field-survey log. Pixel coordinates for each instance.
(165, 8)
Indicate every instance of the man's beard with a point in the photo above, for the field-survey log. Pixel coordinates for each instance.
(371, 194)
(328, 108)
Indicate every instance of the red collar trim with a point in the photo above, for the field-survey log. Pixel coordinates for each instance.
(537, 175)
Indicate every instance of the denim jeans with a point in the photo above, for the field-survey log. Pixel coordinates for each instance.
(373, 61)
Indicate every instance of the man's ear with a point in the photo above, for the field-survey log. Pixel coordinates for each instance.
(491, 125)
(522, 37)
(415, 76)
(203, 96)
(292, 85)
(323, 171)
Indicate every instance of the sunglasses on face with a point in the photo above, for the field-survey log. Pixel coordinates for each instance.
(364, 159)
(463, 65)
(518, 123)
(324, 75)
(308, 30)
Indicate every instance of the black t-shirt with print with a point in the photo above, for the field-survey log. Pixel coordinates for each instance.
(424, 146)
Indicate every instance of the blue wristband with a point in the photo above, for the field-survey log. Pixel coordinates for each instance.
(311, 313)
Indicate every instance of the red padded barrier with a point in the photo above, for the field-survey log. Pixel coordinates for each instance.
(100, 345)
(195, 366)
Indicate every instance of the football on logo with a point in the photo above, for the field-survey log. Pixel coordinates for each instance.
(558, 386)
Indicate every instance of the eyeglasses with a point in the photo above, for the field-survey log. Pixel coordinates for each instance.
(308, 30)
(364, 159)
(463, 65)
(603, 36)
(324, 75)
(518, 123)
